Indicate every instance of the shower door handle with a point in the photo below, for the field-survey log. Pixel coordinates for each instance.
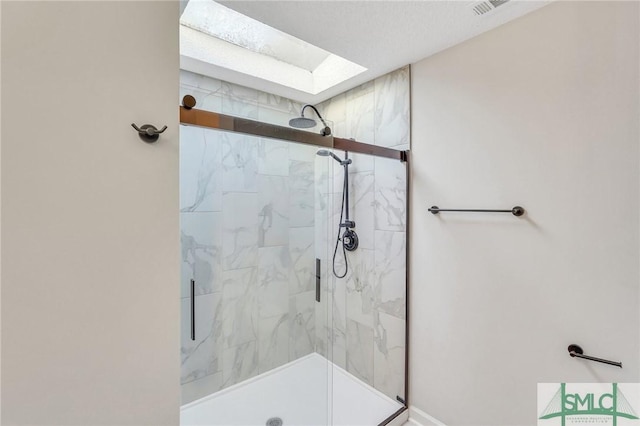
(193, 310)
(318, 276)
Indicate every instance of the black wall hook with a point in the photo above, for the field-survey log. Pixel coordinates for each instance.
(148, 132)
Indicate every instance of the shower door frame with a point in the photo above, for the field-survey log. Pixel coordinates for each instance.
(213, 120)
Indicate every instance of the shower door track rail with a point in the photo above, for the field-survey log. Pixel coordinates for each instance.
(214, 120)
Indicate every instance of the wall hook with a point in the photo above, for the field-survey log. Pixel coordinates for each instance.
(148, 132)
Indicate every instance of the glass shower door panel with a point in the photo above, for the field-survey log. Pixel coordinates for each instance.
(368, 289)
(251, 214)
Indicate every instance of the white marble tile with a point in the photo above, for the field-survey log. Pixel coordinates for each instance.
(392, 103)
(363, 207)
(202, 82)
(337, 176)
(328, 174)
(302, 255)
(322, 210)
(334, 109)
(239, 101)
(323, 251)
(302, 335)
(273, 199)
(321, 241)
(361, 163)
(240, 363)
(200, 169)
(239, 163)
(302, 193)
(273, 157)
(390, 195)
(201, 246)
(279, 103)
(321, 313)
(201, 357)
(390, 277)
(390, 174)
(210, 84)
(338, 321)
(189, 78)
(389, 355)
(340, 129)
(363, 89)
(240, 223)
(360, 351)
(211, 103)
(302, 152)
(273, 281)
(323, 174)
(273, 344)
(335, 218)
(321, 343)
(359, 286)
(274, 116)
(323, 309)
(200, 388)
(240, 308)
(360, 117)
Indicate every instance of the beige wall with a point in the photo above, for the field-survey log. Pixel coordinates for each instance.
(542, 112)
(0, 216)
(90, 249)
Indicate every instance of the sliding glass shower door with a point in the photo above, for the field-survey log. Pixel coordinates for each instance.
(254, 223)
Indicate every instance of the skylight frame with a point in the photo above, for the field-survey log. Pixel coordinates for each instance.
(275, 58)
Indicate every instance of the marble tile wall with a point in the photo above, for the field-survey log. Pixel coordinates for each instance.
(248, 225)
(363, 328)
(255, 215)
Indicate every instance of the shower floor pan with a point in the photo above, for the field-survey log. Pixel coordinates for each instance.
(308, 391)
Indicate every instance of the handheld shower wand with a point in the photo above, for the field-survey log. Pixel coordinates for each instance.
(327, 153)
(349, 237)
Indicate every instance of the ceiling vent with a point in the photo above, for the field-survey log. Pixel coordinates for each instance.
(483, 7)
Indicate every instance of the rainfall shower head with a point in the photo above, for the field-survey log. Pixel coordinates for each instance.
(303, 122)
(327, 153)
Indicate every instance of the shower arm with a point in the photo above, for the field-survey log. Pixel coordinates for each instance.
(317, 113)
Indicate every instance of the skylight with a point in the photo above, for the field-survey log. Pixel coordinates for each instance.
(215, 34)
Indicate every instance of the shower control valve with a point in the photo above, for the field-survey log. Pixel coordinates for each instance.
(350, 240)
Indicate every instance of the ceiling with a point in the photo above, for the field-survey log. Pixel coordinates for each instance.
(379, 35)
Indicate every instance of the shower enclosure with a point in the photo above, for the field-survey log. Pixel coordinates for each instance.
(270, 335)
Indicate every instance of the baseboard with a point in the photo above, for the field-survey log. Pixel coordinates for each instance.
(420, 418)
